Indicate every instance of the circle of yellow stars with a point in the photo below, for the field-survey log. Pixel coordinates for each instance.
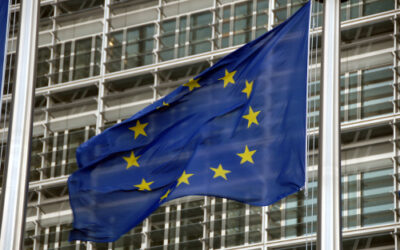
(219, 172)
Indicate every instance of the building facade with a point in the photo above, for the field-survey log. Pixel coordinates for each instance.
(100, 61)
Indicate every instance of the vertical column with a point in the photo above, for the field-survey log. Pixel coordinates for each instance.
(178, 226)
(87, 131)
(100, 103)
(187, 38)
(46, 133)
(283, 218)
(247, 225)
(223, 223)
(46, 238)
(64, 168)
(359, 197)
(166, 227)
(212, 222)
(176, 35)
(57, 237)
(271, 6)
(61, 67)
(213, 26)
(71, 75)
(53, 48)
(395, 178)
(359, 94)
(345, 207)
(145, 233)
(92, 56)
(394, 125)
(254, 20)
(205, 244)
(231, 21)
(53, 156)
(15, 185)
(264, 225)
(329, 219)
(123, 57)
(346, 115)
(36, 243)
(156, 50)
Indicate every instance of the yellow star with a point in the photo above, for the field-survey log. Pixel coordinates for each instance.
(220, 172)
(251, 117)
(144, 185)
(131, 160)
(165, 195)
(248, 89)
(184, 178)
(247, 155)
(193, 83)
(164, 105)
(228, 78)
(139, 129)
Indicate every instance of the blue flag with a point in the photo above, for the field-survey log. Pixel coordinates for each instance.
(237, 130)
(3, 41)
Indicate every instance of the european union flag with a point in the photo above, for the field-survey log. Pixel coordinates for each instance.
(237, 130)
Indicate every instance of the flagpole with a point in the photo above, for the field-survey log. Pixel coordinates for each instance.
(16, 174)
(329, 213)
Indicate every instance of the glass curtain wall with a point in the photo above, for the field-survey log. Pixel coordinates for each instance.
(100, 61)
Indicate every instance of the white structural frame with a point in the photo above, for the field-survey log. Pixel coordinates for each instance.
(18, 158)
(329, 234)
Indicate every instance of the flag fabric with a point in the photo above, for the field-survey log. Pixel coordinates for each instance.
(3, 41)
(237, 130)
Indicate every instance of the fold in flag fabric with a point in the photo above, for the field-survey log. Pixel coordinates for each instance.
(237, 130)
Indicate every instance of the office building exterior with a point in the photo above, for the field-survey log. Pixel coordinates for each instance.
(100, 61)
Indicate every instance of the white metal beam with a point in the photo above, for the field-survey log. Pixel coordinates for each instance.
(329, 200)
(17, 167)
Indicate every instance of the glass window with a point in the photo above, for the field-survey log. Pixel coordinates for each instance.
(66, 62)
(36, 159)
(157, 227)
(377, 92)
(139, 46)
(262, 17)
(274, 231)
(377, 6)
(200, 33)
(85, 59)
(235, 223)
(351, 203)
(377, 198)
(384, 240)
(243, 23)
(28, 239)
(43, 67)
(71, 6)
(9, 74)
(285, 8)
(192, 215)
(52, 237)
(255, 224)
(182, 48)
(167, 40)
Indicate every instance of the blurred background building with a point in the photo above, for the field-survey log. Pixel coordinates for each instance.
(100, 61)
